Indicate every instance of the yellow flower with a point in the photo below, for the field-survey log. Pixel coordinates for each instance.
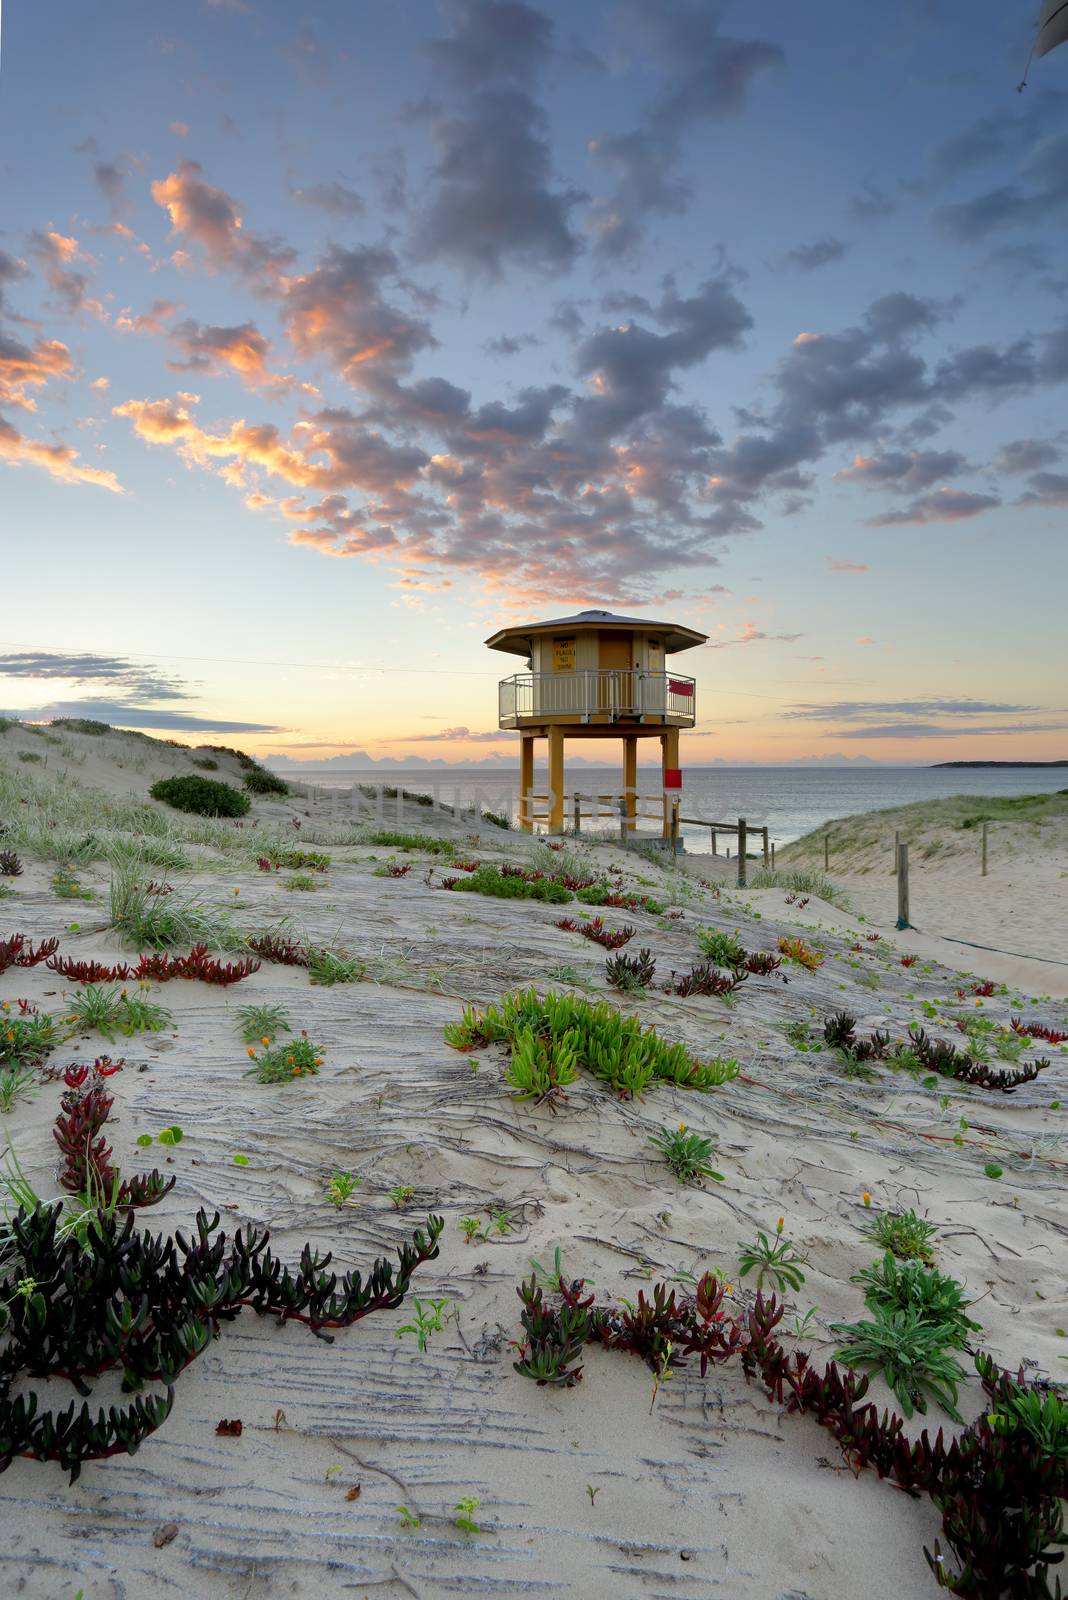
(265, 1040)
(237, 891)
(682, 1127)
(729, 1287)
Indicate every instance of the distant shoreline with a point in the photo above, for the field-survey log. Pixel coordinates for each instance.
(979, 764)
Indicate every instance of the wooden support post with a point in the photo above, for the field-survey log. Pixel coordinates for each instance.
(984, 850)
(556, 780)
(767, 860)
(623, 819)
(773, 858)
(669, 757)
(826, 852)
(715, 852)
(630, 778)
(578, 813)
(743, 847)
(676, 806)
(903, 886)
(526, 782)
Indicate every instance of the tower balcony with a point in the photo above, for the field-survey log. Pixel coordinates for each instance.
(627, 697)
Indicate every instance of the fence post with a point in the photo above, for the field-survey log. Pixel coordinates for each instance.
(715, 852)
(903, 886)
(622, 819)
(983, 874)
(578, 813)
(826, 852)
(675, 804)
(743, 847)
(773, 858)
(767, 861)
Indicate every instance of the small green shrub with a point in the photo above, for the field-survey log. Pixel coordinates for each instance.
(204, 796)
(327, 967)
(81, 725)
(259, 780)
(206, 763)
(722, 948)
(300, 880)
(906, 1234)
(577, 1032)
(412, 841)
(262, 1023)
(492, 881)
(30, 755)
(278, 1064)
(686, 1153)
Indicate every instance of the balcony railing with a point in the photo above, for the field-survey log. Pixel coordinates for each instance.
(613, 696)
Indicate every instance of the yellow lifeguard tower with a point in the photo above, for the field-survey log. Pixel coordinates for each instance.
(595, 676)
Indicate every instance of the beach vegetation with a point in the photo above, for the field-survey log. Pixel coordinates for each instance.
(16, 950)
(914, 1357)
(687, 1153)
(300, 880)
(341, 1187)
(151, 921)
(798, 951)
(429, 1318)
(428, 842)
(905, 1234)
(279, 1063)
(997, 1486)
(207, 797)
(262, 1023)
(772, 1258)
(10, 865)
(66, 885)
(595, 929)
(401, 1194)
(502, 884)
(327, 967)
(707, 979)
(631, 974)
(723, 949)
(569, 1032)
(260, 780)
(147, 1305)
(107, 1010)
(17, 1083)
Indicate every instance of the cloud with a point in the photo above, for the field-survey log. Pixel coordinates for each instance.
(508, 344)
(244, 350)
(846, 566)
(123, 715)
(111, 178)
(1039, 199)
(333, 198)
(60, 461)
(907, 472)
(942, 505)
(55, 254)
(82, 667)
(492, 39)
(494, 203)
(338, 311)
(871, 205)
(179, 129)
(1046, 489)
(704, 75)
(750, 634)
(1025, 455)
(210, 217)
(934, 730)
(820, 253)
(152, 321)
(454, 736)
(25, 367)
(865, 710)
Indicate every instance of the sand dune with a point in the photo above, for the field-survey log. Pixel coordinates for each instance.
(710, 1492)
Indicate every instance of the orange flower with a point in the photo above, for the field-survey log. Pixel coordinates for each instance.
(780, 1225)
(251, 1053)
(296, 1072)
(866, 1197)
(265, 1040)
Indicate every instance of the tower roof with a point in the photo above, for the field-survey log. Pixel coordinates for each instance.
(516, 641)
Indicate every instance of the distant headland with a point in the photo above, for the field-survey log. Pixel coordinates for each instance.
(999, 763)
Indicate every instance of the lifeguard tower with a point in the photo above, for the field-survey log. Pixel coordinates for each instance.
(595, 676)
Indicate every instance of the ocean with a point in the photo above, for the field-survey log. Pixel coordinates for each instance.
(791, 801)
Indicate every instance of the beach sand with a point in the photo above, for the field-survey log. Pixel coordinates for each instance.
(711, 1492)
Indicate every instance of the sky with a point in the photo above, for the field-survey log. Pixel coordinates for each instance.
(334, 338)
